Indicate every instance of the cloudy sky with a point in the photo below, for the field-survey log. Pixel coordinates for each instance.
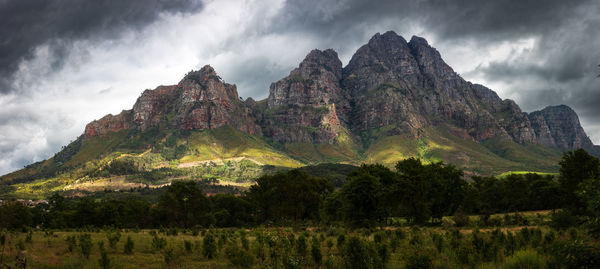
(64, 63)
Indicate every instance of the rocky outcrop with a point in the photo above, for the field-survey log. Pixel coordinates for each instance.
(206, 102)
(109, 123)
(407, 84)
(559, 127)
(200, 101)
(308, 105)
(149, 107)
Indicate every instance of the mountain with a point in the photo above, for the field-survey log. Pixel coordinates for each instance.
(393, 100)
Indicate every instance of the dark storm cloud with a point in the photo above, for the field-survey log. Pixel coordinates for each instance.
(445, 18)
(27, 24)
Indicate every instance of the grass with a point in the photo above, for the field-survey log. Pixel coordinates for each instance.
(532, 246)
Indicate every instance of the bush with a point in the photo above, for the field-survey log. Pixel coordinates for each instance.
(71, 243)
(562, 220)
(158, 243)
(187, 245)
(358, 254)
(128, 248)
(301, 245)
(460, 219)
(239, 257)
(527, 258)
(113, 239)
(104, 261)
(576, 255)
(169, 257)
(315, 252)
(418, 260)
(85, 244)
(209, 246)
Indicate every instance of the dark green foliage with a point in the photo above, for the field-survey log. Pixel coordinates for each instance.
(418, 260)
(359, 254)
(563, 219)
(239, 257)
(301, 245)
(183, 205)
(231, 211)
(334, 172)
(576, 167)
(68, 152)
(104, 260)
(71, 243)
(288, 196)
(576, 254)
(85, 245)
(15, 215)
(158, 243)
(187, 245)
(123, 166)
(113, 239)
(209, 246)
(315, 252)
(128, 248)
(169, 257)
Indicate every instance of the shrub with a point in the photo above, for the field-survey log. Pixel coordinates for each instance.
(71, 243)
(562, 220)
(438, 241)
(128, 248)
(158, 243)
(169, 257)
(239, 257)
(418, 260)
(85, 245)
(340, 240)
(113, 239)
(301, 245)
(209, 246)
(187, 245)
(104, 261)
(527, 258)
(358, 254)
(576, 255)
(315, 252)
(29, 237)
(460, 219)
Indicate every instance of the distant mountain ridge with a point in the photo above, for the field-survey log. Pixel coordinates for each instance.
(361, 96)
(394, 99)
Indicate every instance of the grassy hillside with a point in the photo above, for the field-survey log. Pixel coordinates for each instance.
(151, 159)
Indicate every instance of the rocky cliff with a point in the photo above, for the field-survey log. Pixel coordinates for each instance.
(559, 127)
(201, 100)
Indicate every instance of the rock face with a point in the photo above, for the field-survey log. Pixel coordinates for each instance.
(408, 85)
(389, 82)
(558, 126)
(109, 123)
(309, 104)
(200, 101)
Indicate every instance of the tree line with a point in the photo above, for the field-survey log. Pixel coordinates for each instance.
(421, 193)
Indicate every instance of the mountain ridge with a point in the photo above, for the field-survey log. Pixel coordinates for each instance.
(394, 99)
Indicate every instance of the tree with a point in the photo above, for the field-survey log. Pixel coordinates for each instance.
(293, 195)
(183, 204)
(14, 215)
(576, 167)
(362, 196)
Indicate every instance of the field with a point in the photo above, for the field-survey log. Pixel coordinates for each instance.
(522, 240)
